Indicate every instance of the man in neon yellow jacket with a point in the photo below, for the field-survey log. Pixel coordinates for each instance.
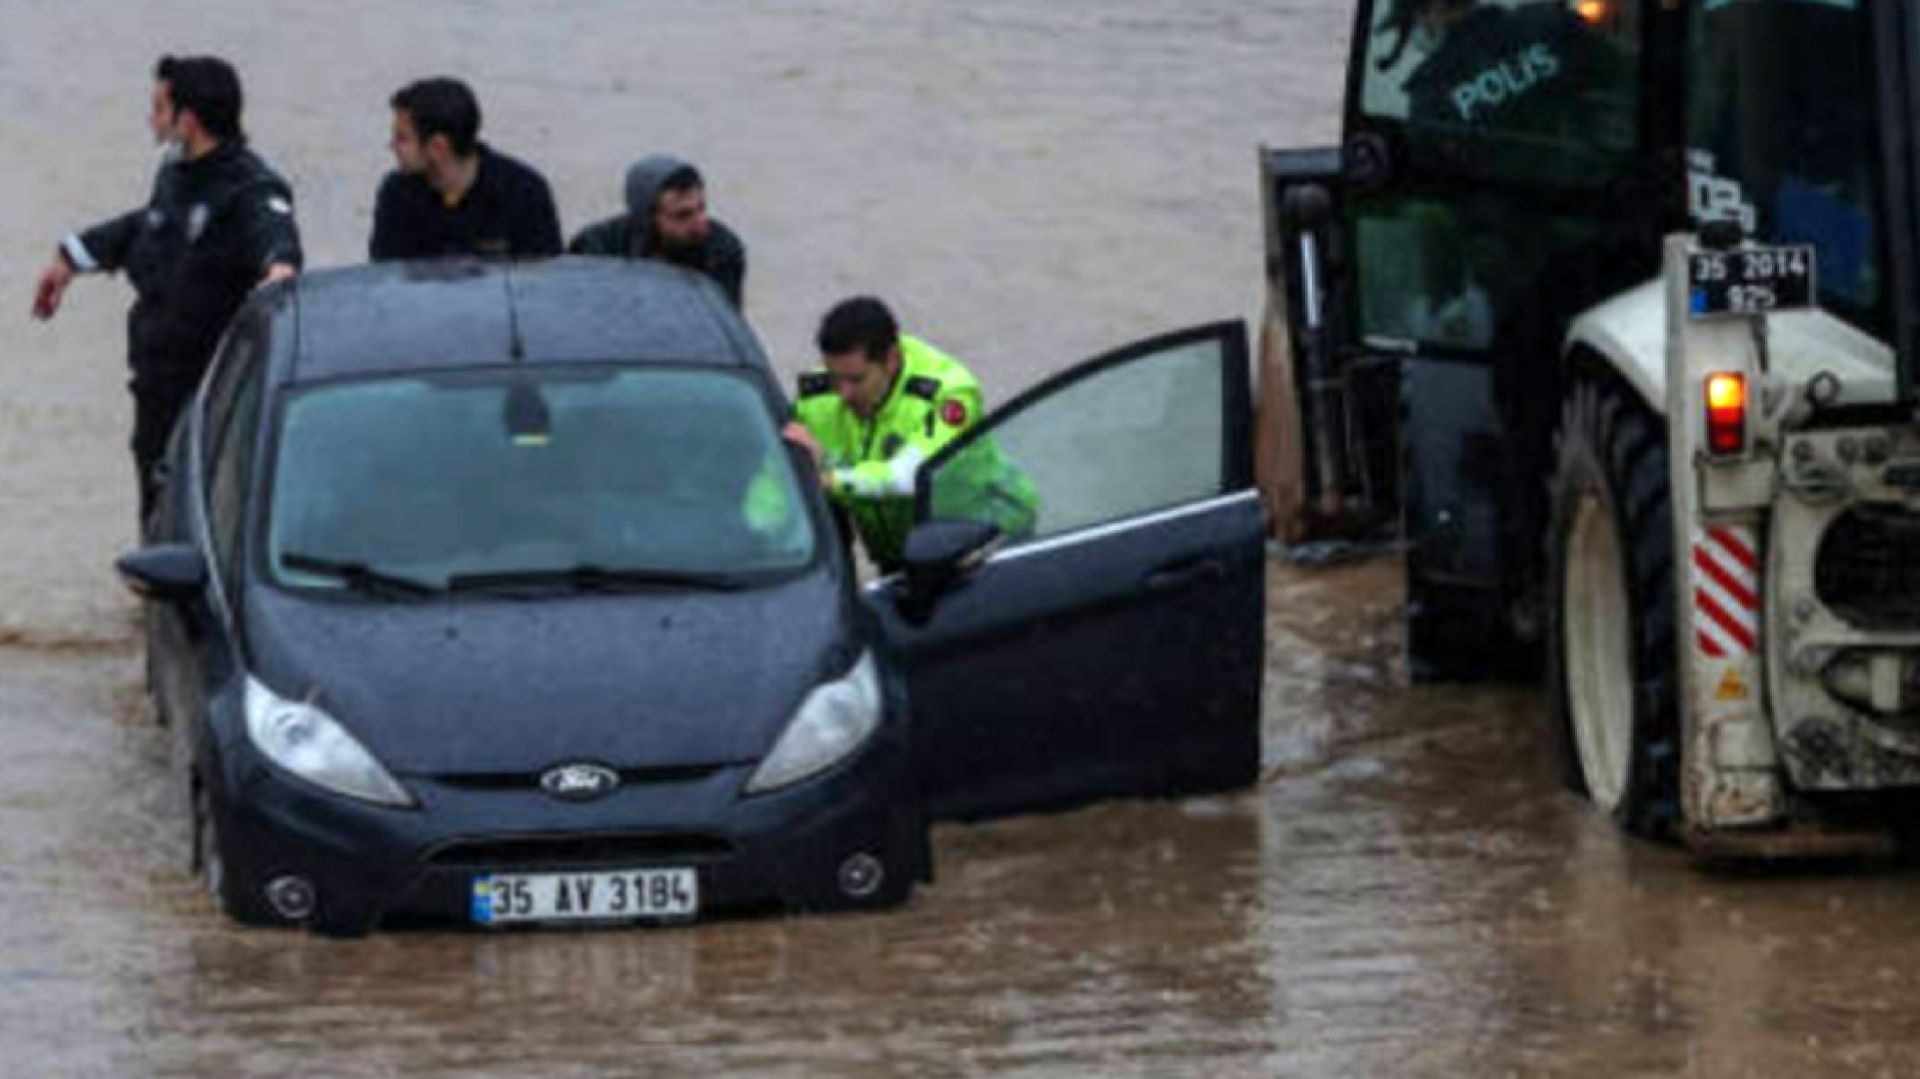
(885, 403)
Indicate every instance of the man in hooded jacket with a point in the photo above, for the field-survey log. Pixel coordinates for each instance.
(667, 219)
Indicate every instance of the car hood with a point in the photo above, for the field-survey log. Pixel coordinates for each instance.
(489, 686)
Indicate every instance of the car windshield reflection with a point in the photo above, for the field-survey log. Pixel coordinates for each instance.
(580, 478)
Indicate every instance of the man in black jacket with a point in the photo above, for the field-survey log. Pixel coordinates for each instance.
(218, 223)
(667, 219)
(453, 194)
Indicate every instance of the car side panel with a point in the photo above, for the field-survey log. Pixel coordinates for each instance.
(1125, 661)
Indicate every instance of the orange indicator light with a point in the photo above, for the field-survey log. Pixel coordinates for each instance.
(1726, 413)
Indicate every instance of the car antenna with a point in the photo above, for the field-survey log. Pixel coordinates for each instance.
(515, 348)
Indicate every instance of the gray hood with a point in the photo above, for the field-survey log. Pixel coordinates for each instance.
(644, 179)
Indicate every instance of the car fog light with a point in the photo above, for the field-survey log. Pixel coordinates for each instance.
(861, 875)
(292, 898)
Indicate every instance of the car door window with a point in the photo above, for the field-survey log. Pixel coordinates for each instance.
(236, 360)
(1127, 434)
(232, 411)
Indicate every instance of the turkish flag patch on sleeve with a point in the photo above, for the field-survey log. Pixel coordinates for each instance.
(953, 412)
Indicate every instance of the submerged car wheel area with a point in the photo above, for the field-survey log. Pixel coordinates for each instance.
(490, 595)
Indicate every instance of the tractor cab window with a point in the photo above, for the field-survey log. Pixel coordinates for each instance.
(1781, 137)
(1511, 143)
(1530, 90)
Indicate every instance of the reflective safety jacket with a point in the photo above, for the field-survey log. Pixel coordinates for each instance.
(870, 465)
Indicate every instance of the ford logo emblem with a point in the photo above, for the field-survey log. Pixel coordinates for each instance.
(579, 782)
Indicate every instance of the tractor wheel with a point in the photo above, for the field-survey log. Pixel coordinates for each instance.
(1610, 610)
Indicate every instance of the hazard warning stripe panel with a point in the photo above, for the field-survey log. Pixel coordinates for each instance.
(1726, 593)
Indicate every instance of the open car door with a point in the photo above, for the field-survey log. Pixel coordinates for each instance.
(1113, 643)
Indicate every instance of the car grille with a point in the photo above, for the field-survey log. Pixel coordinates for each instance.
(508, 851)
(1868, 567)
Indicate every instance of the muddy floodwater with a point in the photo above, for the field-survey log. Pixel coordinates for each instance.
(1406, 892)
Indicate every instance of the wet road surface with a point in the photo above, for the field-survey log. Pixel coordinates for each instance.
(1406, 892)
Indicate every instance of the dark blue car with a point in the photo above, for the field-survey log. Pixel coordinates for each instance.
(490, 594)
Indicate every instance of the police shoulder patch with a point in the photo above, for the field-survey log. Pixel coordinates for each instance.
(923, 387)
(815, 383)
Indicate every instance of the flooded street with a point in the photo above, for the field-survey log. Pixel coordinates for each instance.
(1406, 893)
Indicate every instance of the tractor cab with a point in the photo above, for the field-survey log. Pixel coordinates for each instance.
(1609, 311)
(1508, 166)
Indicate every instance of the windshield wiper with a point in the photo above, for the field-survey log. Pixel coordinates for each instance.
(358, 576)
(591, 578)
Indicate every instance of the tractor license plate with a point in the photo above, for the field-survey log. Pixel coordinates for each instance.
(623, 895)
(1750, 281)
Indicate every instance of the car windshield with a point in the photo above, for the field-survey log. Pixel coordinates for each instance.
(588, 478)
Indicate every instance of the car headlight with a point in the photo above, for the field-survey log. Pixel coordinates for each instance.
(312, 745)
(834, 720)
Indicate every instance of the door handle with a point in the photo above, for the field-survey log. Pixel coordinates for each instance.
(1185, 575)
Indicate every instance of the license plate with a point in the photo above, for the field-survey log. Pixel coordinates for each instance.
(1750, 281)
(622, 895)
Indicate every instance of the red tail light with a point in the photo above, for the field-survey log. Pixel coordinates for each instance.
(1726, 413)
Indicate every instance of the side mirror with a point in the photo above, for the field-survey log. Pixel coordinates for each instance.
(164, 571)
(938, 553)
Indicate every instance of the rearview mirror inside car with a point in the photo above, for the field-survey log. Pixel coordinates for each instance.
(164, 571)
(938, 553)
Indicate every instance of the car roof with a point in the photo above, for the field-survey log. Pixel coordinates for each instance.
(394, 317)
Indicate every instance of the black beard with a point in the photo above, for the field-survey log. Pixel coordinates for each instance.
(681, 254)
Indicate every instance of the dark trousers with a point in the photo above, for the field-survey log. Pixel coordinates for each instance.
(157, 404)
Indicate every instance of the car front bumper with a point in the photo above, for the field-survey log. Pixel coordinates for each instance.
(371, 866)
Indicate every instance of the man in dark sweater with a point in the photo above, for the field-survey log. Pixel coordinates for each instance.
(667, 219)
(452, 194)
